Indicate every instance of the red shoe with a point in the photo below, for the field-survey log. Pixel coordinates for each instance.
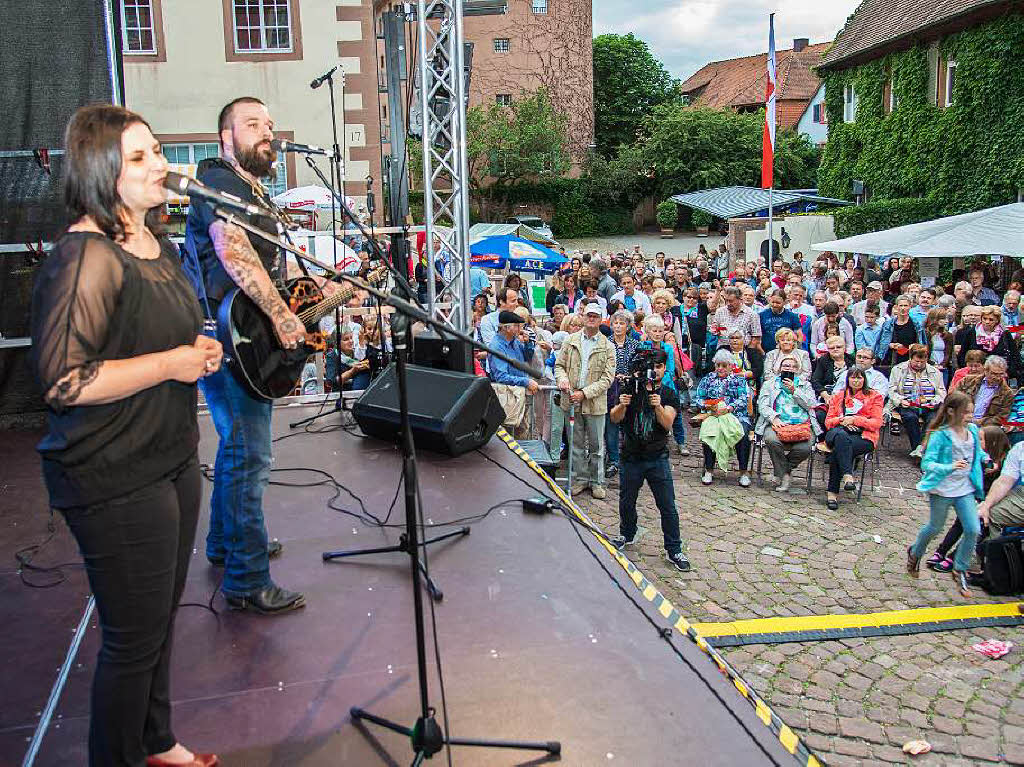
(198, 760)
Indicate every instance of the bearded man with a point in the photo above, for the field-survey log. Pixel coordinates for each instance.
(229, 257)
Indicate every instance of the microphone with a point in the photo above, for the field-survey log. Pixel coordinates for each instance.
(281, 145)
(322, 78)
(189, 187)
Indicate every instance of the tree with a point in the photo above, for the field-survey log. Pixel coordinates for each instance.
(525, 140)
(688, 149)
(629, 83)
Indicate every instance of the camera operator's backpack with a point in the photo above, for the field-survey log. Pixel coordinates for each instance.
(1002, 561)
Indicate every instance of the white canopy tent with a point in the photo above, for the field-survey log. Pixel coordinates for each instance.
(993, 231)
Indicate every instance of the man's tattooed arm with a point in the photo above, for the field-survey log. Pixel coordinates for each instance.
(244, 267)
(67, 390)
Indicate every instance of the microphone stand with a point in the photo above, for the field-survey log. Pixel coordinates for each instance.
(426, 735)
(335, 161)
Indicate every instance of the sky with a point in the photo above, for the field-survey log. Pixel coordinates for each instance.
(687, 34)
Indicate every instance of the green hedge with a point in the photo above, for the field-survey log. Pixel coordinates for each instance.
(579, 210)
(884, 214)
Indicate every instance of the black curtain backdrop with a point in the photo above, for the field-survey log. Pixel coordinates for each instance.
(54, 61)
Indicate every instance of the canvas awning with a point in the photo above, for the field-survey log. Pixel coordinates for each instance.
(993, 231)
(733, 201)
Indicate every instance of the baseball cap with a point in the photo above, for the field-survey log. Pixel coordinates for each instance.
(507, 318)
(874, 285)
(594, 308)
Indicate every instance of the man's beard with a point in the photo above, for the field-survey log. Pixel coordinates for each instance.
(256, 162)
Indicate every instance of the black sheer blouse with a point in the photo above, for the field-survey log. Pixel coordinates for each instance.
(93, 301)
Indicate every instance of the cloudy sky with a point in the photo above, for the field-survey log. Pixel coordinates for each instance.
(686, 34)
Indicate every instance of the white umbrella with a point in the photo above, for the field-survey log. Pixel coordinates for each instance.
(993, 231)
(321, 246)
(308, 198)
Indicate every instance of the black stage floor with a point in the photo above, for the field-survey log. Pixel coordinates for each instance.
(537, 642)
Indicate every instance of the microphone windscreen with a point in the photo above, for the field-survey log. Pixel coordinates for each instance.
(176, 182)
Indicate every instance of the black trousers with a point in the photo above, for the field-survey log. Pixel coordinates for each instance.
(845, 446)
(136, 550)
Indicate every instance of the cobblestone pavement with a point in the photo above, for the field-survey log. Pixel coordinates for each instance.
(756, 553)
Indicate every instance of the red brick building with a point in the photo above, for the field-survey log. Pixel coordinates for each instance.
(740, 83)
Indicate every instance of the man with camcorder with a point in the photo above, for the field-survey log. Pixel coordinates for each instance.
(645, 411)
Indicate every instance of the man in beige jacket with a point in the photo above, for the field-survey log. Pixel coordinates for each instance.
(584, 370)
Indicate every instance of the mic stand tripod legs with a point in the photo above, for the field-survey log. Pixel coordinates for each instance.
(403, 545)
(427, 736)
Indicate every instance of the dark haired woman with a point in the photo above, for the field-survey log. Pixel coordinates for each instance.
(117, 349)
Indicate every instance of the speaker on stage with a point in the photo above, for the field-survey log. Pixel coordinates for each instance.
(442, 352)
(450, 412)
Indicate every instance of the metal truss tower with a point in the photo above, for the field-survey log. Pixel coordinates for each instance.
(442, 89)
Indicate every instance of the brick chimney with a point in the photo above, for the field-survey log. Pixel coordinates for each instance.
(799, 43)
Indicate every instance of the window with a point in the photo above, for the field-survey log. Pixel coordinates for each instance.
(849, 104)
(503, 99)
(950, 81)
(262, 25)
(893, 100)
(540, 6)
(194, 153)
(818, 114)
(137, 26)
(190, 154)
(501, 45)
(280, 183)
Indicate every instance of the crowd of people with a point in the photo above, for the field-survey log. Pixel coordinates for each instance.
(798, 357)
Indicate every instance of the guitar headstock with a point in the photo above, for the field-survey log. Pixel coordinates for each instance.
(377, 275)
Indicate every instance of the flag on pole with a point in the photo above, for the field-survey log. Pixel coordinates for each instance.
(768, 141)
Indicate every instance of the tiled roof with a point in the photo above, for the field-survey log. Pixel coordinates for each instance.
(876, 22)
(741, 82)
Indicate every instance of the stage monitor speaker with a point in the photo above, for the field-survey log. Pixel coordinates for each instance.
(442, 352)
(450, 412)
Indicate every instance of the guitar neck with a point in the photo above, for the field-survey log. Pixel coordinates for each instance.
(315, 313)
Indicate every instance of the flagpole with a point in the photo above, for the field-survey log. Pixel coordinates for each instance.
(768, 143)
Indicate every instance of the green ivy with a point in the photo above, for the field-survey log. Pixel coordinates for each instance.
(952, 160)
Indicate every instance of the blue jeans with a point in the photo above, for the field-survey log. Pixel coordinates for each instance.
(237, 531)
(966, 511)
(678, 431)
(612, 431)
(658, 474)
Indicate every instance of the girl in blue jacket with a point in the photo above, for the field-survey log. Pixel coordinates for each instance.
(953, 477)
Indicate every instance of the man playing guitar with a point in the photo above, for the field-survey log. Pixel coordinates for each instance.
(230, 257)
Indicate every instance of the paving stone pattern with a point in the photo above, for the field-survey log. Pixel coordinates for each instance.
(758, 553)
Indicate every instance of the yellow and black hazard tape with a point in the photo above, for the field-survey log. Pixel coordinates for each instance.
(764, 712)
(814, 628)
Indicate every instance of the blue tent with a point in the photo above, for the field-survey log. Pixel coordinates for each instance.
(520, 255)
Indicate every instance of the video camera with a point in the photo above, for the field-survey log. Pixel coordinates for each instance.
(642, 377)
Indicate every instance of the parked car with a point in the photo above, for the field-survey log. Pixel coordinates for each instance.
(536, 223)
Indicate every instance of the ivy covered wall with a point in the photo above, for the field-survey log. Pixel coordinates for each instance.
(921, 161)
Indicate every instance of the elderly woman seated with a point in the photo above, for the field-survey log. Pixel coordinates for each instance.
(916, 390)
(786, 347)
(724, 419)
(786, 420)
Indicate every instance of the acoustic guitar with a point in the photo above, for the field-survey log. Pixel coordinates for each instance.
(252, 352)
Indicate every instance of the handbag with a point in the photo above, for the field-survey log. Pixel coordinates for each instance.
(794, 432)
